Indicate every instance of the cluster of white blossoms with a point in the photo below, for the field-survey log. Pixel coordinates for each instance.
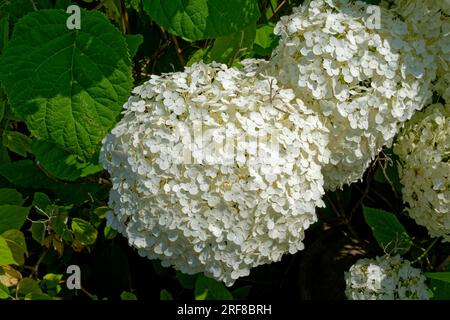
(219, 170)
(365, 76)
(212, 174)
(423, 147)
(430, 20)
(385, 278)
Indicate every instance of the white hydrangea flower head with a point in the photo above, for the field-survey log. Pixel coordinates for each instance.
(442, 85)
(385, 278)
(423, 147)
(366, 79)
(430, 20)
(195, 201)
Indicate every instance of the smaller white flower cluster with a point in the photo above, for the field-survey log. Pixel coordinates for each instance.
(385, 278)
(365, 80)
(423, 147)
(184, 194)
(430, 20)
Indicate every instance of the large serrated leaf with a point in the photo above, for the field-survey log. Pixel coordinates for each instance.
(202, 19)
(68, 85)
(61, 164)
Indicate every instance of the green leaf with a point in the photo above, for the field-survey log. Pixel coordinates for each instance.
(109, 233)
(16, 243)
(387, 229)
(76, 193)
(17, 142)
(51, 283)
(125, 295)
(10, 114)
(202, 19)
(442, 276)
(187, 281)
(38, 232)
(27, 286)
(76, 80)
(26, 174)
(12, 217)
(265, 40)
(134, 41)
(11, 196)
(165, 295)
(4, 291)
(197, 56)
(37, 296)
(207, 288)
(440, 290)
(59, 224)
(270, 9)
(202, 295)
(228, 48)
(84, 231)
(60, 163)
(6, 256)
(41, 200)
(4, 156)
(135, 4)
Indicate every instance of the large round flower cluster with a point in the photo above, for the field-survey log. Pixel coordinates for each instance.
(385, 278)
(361, 69)
(423, 147)
(211, 173)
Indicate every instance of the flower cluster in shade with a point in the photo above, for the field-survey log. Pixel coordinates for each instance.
(430, 20)
(196, 179)
(423, 147)
(366, 77)
(208, 214)
(385, 278)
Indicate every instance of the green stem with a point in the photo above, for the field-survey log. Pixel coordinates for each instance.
(425, 253)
